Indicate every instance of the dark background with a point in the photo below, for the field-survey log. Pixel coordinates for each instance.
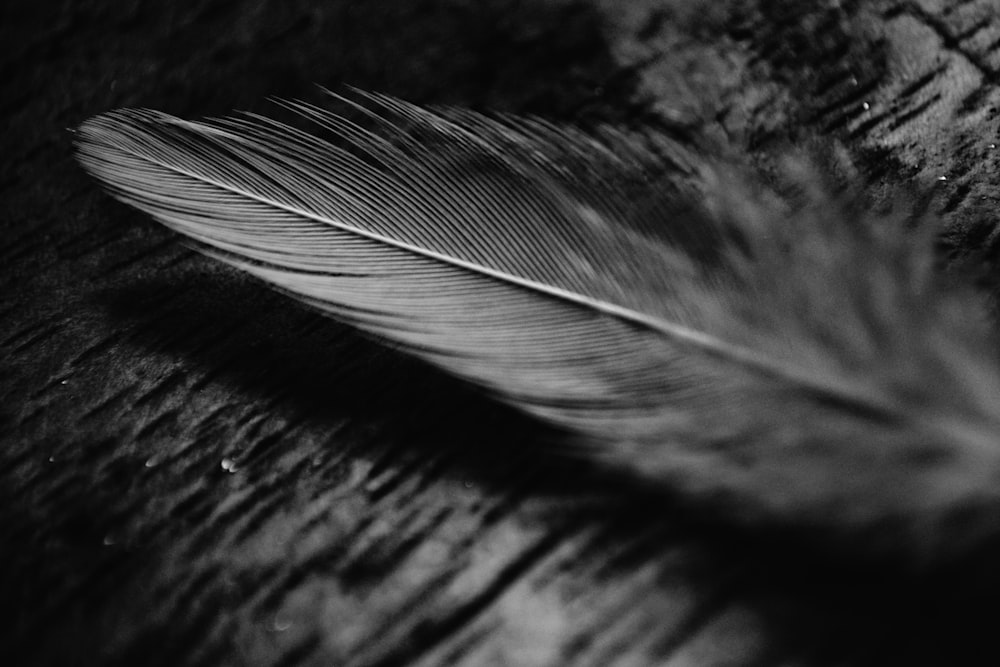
(194, 470)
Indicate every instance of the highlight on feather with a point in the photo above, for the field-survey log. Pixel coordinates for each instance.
(792, 366)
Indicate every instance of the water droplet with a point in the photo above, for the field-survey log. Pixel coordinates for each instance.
(993, 145)
(150, 462)
(52, 459)
(942, 178)
(280, 624)
(228, 465)
(468, 485)
(108, 541)
(866, 106)
(854, 80)
(64, 382)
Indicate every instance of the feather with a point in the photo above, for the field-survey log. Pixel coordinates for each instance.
(796, 366)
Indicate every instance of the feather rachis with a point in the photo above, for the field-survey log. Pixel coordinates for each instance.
(796, 373)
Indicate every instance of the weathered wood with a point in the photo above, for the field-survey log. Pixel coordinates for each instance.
(196, 471)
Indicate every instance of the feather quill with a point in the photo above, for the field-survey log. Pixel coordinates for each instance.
(799, 368)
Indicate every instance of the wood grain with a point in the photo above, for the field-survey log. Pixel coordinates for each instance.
(195, 471)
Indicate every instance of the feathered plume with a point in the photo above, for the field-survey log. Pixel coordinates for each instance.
(797, 367)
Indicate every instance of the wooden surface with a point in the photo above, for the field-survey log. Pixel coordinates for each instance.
(194, 470)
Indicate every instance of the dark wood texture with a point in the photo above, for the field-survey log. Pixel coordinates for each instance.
(194, 470)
